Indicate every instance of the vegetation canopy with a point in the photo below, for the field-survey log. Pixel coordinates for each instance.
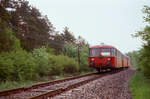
(144, 53)
(30, 46)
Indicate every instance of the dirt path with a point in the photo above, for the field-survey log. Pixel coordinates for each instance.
(110, 87)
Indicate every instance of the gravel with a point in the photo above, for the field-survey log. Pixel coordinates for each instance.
(34, 92)
(114, 86)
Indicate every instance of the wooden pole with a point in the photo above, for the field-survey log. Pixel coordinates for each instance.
(78, 55)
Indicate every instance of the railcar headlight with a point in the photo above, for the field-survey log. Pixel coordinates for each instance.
(92, 59)
(108, 59)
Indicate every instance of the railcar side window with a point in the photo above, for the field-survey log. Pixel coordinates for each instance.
(95, 52)
(113, 52)
(105, 51)
(118, 54)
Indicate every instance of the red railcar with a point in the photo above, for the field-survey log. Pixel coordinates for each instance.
(106, 56)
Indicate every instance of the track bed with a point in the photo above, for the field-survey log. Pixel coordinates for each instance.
(51, 89)
(114, 86)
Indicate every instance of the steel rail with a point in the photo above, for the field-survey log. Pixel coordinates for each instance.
(43, 84)
(53, 93)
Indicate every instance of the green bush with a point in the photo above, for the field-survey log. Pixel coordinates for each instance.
(56, 67)
(145, 36)
(70, 50)
(21, 65)
(62, 64)
(42, 61)
(24, 65)
(6, 66)
(50, 50)
(69, 64)
(144, 60)
(17, 65)
(84, 60)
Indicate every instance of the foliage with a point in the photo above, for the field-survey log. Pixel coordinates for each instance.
(6, 67)
(25, 29)
(50, 50)
(17, 65)
(144, 60)
(70, 50)
(81, 42)
(134, 58)
(35, 28)
(14, 84)
(57, 43)
(29, 25)
(21, 65)
(68, 36)
(84, 59)
(24, 65)
(140, 86)
(70, 65)
(8, 41)
(41, 59)
(63, 64)
(145, 36)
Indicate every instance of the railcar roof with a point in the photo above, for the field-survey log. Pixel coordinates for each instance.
(102, 46)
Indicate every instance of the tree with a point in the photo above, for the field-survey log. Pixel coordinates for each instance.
(81, 41)
(32, 28)
(134, 57)
(84, 59)
(35, 27)
(8, 41)
(145, 36)
(57, 42)
(68, 36)
(70, 50)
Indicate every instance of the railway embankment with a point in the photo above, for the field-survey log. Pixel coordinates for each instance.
(115, 86)
(53, 88)
(108, 85)
(140, 86)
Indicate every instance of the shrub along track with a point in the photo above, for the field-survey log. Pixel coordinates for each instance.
(52, 88)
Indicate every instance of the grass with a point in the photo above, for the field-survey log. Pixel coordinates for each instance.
(15, 84)
(140, 86)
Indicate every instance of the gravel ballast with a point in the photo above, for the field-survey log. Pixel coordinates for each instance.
(40, 90)
(114, 86)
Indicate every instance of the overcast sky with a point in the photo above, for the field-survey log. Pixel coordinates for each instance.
(109, 21)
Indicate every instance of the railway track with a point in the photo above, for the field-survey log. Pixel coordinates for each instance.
(50, 89)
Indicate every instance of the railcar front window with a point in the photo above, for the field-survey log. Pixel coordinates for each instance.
(105, 51)
(94, 52)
